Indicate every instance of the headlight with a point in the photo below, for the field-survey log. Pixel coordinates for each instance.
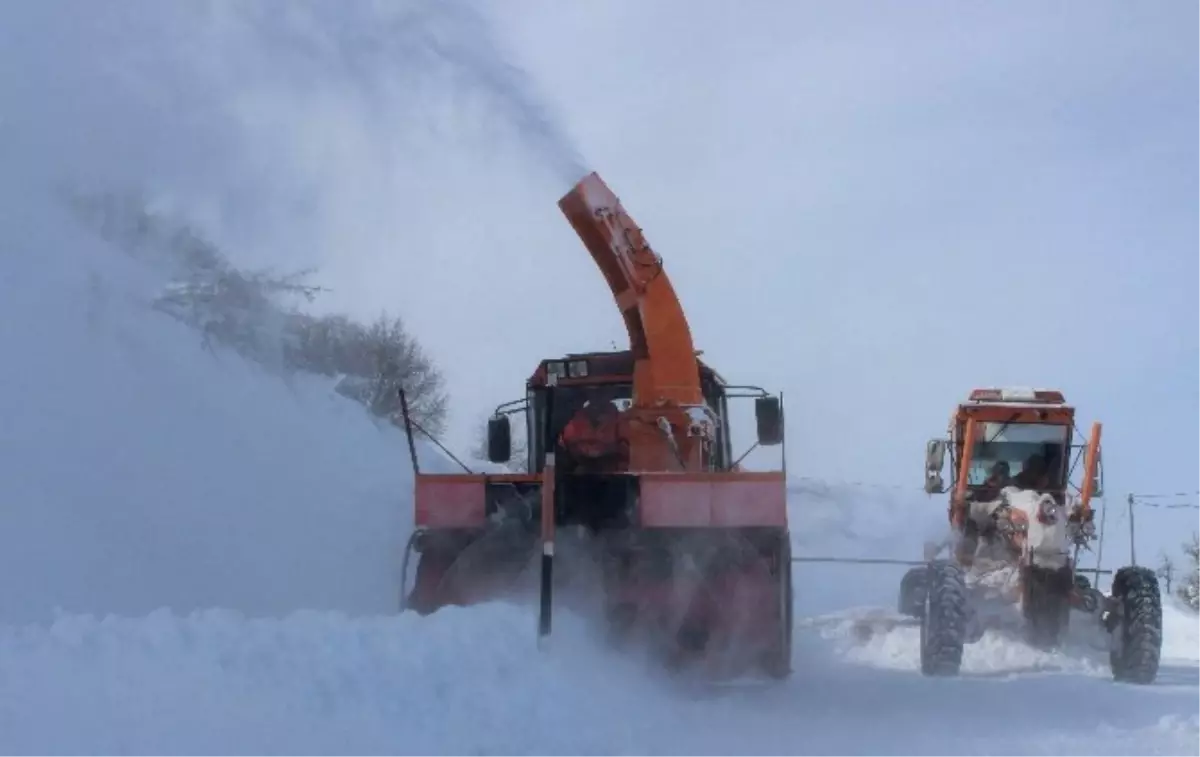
(1047, 511)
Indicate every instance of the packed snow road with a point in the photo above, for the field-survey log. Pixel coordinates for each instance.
(472, 682)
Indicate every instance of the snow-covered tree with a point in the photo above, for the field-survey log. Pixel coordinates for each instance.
(377, 361)
(239, 310)
(257, 315)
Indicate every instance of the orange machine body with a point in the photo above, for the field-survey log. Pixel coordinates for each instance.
(666, 383)
(650, 477)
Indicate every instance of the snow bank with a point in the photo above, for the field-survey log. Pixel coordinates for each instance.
(1181, 632)
(845, 520)
(878, 638)
(139, 470)
(215, 682)
(863, 521)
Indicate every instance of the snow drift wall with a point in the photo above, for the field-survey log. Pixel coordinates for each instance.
(140, 470)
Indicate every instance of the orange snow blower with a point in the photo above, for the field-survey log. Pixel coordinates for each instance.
(632, 449)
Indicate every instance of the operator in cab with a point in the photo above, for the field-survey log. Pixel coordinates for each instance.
(998, 478)
(591, 440)
(1035, 474)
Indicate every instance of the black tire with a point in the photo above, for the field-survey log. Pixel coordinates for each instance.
(1137, 626)
(913, 586)
(1046, 605)
(944, 620)
(778, 662)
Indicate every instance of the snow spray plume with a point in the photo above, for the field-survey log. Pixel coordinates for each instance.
(478, 54)
(239, 114)
(393, 51)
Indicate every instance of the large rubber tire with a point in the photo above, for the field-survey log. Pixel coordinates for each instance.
(913, 587)
(779, 659)
(1137, 631)
(944, 619)
(1046, 605)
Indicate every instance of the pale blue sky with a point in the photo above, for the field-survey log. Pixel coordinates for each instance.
(872, 206)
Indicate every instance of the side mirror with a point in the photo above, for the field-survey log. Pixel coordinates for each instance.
(934, 483)
(935, 454)
(768, 413)
(935, 458)
(499, 439)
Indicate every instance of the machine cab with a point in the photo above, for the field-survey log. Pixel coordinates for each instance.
(560, 388)
(1006, 437)
(1029, 455)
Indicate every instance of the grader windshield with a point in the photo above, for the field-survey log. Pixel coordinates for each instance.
(1028, 455)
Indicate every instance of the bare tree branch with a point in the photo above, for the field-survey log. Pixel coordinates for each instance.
(252, 312)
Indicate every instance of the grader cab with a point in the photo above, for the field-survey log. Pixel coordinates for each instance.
(1021, 438)
(1018, 524)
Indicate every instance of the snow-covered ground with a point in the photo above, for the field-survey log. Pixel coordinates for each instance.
(472, 682)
